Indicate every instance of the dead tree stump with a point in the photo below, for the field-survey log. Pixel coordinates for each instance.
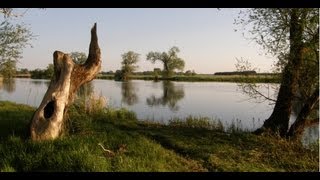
(47, 122)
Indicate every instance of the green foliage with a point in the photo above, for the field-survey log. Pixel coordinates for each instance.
(49, 71)
(170, 60)
(38, 74)
(23, 71)
(270, 28)
(292, 35)
(129, 59)
(43, 73)
(8, 69)
(309, 71)
(13, 38)
(118, 75)
(259, 78)
(190, 73)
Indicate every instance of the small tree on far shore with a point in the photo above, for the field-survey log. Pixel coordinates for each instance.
(170, 60)
(129, 59)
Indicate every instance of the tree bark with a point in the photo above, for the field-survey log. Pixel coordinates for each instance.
(278, 122)
(299, 125)
(47, 122)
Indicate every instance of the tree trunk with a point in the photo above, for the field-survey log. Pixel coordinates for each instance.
(47, 122)
(278, 122)
(299, 125)
(166, 69)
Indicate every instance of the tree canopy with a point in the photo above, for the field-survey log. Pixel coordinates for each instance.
(170, 60)
(292, 35)
(14, 37)
(129, 60)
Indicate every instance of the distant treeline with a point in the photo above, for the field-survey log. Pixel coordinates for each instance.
(237, 73)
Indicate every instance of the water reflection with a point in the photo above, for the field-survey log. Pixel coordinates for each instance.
(9, 85)
(170, 97)
(129, 94)
(310, 135)
(85, 90)
(40, 82)
(211, 99)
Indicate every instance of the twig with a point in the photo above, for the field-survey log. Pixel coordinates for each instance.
(106, 150)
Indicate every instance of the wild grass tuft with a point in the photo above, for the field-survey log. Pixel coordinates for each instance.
(197, 122)
(195, 144)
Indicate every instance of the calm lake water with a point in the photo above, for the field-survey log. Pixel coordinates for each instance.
(161, 101)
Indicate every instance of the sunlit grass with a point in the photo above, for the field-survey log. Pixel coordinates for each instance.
(196, 144)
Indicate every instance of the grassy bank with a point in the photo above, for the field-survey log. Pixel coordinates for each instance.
(143, 146)
(209, 78)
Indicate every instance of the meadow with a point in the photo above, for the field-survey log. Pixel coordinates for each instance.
(100, 139)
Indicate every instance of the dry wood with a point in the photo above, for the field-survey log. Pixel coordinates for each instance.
(47, 122)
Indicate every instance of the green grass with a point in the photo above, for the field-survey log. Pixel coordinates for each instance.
(190, 145)
(14, 119)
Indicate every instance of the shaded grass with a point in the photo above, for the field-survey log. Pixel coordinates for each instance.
(220, 151)
(14, 119)
(79, 151)
(188, 145)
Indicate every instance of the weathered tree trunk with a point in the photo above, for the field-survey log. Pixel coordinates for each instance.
(279, 119)
(47, 121)
(299, 125)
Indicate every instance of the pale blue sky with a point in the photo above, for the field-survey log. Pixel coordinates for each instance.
(206, 37)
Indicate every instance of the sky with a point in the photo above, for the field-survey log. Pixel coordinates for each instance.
(205, 37)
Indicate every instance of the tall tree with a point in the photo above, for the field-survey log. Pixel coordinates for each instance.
(129, 59)
(14, 37)
(287, 34)
(170, 60)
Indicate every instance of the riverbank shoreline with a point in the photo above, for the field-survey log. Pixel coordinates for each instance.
(146, 146)
(258, 78)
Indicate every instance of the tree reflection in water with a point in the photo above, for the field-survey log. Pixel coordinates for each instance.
(83, 95)
(128, 91)
(171, 95)
(86, 90)
(9, 85)
(37, 82)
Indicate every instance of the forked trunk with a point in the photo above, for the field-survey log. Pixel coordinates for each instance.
(47, 122)
(278, 122)
(297, 128)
